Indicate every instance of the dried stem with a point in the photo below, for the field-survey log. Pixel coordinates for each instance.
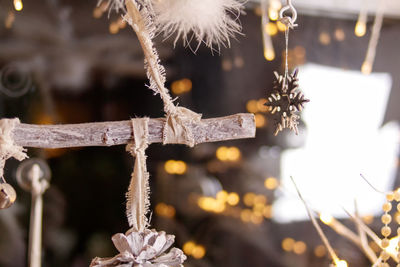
(342, 230)
(370, 233)
(363, 238)
(377, 262)
(317, 227)
(371, 185)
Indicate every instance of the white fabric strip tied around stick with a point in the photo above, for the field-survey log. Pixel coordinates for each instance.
(8, 149)
(141, 247)
(137, 205)
(176, 128)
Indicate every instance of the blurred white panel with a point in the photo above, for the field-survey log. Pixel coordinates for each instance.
(343, 7)
(349, 6)
(344, 139)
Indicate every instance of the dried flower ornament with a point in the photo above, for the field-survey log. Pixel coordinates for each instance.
(286, 99)
(143, 249)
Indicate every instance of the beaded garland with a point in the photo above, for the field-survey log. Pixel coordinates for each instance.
(386, 219)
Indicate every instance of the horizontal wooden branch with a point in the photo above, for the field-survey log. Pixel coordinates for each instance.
(236, 126)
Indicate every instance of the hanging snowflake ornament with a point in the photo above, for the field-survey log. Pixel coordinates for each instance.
(285, 101)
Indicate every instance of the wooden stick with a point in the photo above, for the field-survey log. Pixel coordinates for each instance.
(35, 232)
(321, 234)
(236, 126)
(35, 224)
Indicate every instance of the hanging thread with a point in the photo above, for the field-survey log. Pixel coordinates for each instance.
(284, 84)
(289, 23)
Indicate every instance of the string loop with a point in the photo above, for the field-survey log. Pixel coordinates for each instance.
(287, 20)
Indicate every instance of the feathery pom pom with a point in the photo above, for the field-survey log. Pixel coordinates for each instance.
(113, 5)
(212, 22)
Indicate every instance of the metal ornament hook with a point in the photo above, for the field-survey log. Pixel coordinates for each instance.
(288, 21)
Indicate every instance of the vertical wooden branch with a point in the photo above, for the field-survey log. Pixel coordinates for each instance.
(35, 226)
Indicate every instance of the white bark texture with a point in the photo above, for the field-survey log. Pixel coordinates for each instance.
(231, 127)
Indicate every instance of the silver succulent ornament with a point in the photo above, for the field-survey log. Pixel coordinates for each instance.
(143, 249)
(285, 101)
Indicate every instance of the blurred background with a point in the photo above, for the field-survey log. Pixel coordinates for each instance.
(228, 203)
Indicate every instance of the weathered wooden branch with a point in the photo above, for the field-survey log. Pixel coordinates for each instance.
(236, 126)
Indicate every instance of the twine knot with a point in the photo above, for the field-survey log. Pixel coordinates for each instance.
(8, 149)
(289, 22)
(177, 128)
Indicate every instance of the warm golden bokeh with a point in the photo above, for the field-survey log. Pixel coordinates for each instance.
(228, 153)
(18, 6)
(288, 244)
(271, 183)
(175, 167)
(181, 86)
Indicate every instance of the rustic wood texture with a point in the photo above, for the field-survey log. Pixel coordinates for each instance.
(236, 126)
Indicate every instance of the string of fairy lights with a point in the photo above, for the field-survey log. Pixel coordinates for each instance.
(270, 25)
(254, 208)
(10, 18)
(269, 12)
(249, 208)
(18, 5)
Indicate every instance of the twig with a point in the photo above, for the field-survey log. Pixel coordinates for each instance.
(342, 230)
(371, 234)
(377, 262)
(236, 126)
(317, 227)
(371, 185)
(363, 238)
(373, 41)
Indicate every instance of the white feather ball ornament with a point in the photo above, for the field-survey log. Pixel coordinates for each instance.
(212, 22)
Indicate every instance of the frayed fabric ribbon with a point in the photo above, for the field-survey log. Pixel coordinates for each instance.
(8, 149)
(137, 205)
